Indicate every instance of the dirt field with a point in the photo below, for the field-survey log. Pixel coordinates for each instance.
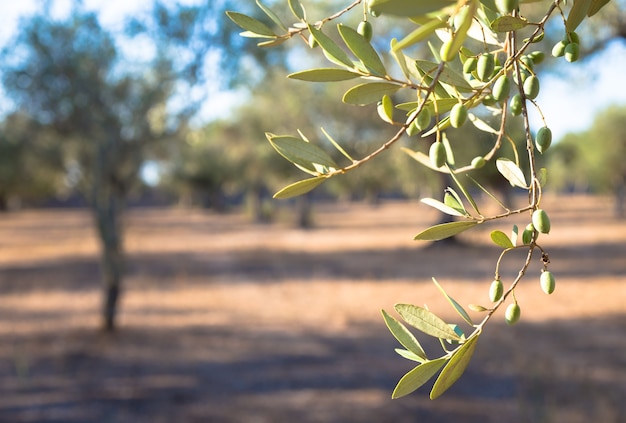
(226, 321)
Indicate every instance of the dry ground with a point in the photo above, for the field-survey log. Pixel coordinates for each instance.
(226, 321)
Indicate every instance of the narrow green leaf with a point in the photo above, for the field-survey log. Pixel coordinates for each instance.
(447, 76)
(417, 377)
(300, 152)
(445, 230)
(486, 191)
(272, 43)
(296, 9)
(409, 355)
(324, 75)
(595, 6)
(300, 187)
(370, 92)
(500, 239)
(407, 8)
(404, 336)
(250, 24)
(508, 23)
(456, 366)
(577, 13)
(459, 309)
(512, 173)
(333, 52)
(452, 199)
(336, 145)
(400, 58)
(270, 14)
(465, 192)
(514, 235)
(362, 49)
(481, 124)
(466, 15)
(426, 321)
(421, 33)
(442, 207)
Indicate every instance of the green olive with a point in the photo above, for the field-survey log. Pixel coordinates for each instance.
(437, 154)
(541, 221)
(365, 29)
(496, 290)
(458, 115)
(512, 313)
(547, 282)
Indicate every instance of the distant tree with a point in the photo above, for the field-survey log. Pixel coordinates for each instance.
(594, 159)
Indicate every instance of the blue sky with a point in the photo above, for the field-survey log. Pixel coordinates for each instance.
(569, 99)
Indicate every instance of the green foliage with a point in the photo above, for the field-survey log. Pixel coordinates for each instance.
(479, 58)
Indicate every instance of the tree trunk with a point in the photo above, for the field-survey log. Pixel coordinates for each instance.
(620, 198)
(305, 211)
(107, 204)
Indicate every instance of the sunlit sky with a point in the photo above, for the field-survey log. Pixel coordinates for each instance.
(569, 100)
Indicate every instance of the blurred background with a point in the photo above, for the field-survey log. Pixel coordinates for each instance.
(146, 273)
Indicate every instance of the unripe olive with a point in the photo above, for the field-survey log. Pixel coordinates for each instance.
(478, 162)
(527, 235)
(573, 37)
(531, 87)
(412, 129)
(559, 48)
(512, 313)
(528, 62)
(506, 6)
(537, 57)
(572, 52)
(488, 100)
(423, 119)
(496, 290)
(446, 52)
(501, 88)
(365, 29)
(541, 222)
(516, 105)
(547, 282)
(458, 115)
(437, 154)
(470, 64)
(485, 66)
(543, 139)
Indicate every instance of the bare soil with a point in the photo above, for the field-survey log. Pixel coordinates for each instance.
(226, 321)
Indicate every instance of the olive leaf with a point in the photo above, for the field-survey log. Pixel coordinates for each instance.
(508, 23)
(270, 14)
(442, 207)
(465, 16)
(415, 378)
(300, 187)
(455, 367)
(447, 75)
(445, 230)
(404, 336)
(407, 8)
(336, 145)
(362, 49)
(459, 309)
(512, 173)
(426, 321)
(253, 26)
(324, 75)
(595, 6)
(419, 34)
(500, 239)
(333, 52)
(514, 235)
(408, 355)
(577, 13)
(301, 153)
(296, 9)
(369, 92)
